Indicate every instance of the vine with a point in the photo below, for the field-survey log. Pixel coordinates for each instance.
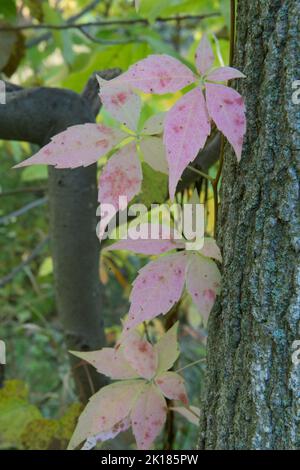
(144, 386)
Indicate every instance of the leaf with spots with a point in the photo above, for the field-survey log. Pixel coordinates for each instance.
(148, 416)
(186, 129)
(157, 74)
(172, 386)
(226, 108)
(119, 182)
(204, 56)
(157, 288)
(149, 239)
(121, 426)
(110, 362)
(223, 74)
(140, 354)
(79, 145)
(203, 282)
(121, 102)
(167, 349)
(108, 407)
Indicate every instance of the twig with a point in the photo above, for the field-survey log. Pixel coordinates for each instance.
(13, 192)
(190, 365)
(201, 173)
(23, 210)
(109, 42)
(44, 37)
(105, 23)
(32, 256)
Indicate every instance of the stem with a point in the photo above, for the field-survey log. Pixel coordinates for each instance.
(201, 173)
(190, 365)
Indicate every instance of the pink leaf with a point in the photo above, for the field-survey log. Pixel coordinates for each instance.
(157, 74)
(223, 74)
(167, 349)
(172, 386)
(192, 414)
(121, 177)
(154, 125)
(79, 145)
(226, 107)
(211, 249)
(153, 239)
(121, 102)
(204, 56)
(157, 288)
(148, 416)
(186, 129)
(154, 153)
(121, 426)
(106, 408)
(140, 354)
(110, 362)
(203, 282)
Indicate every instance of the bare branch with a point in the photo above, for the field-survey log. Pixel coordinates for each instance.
(31, 205)
(6, 279)
(129, 22)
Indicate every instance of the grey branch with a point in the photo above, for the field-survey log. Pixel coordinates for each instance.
(31, 205)
(17, 269)
(142, 21)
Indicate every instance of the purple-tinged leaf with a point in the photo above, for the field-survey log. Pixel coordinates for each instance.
(223, 74)
(186, 129)
(120, 178)
(157, 288)
(226, 107)
(204, 56)
(79, 145)
(148, 416)
(157, 74)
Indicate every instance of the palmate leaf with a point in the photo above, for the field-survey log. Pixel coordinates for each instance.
(121, 177)
(157, 288)
(79, 145)
(172, 386)
(226, 107)
(110, 362)
(157, 74)
(121, 102)
(140, 354)
(106, 409)
(148, 416)
(187, 127)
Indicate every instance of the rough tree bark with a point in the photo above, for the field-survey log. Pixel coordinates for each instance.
(252, 398)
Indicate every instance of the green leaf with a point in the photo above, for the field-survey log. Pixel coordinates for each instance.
(8, 10)
(154, 187)
(34, 173)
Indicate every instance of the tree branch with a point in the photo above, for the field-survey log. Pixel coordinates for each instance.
(142, 21)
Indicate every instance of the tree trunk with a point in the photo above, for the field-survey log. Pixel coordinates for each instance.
(252, 398)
